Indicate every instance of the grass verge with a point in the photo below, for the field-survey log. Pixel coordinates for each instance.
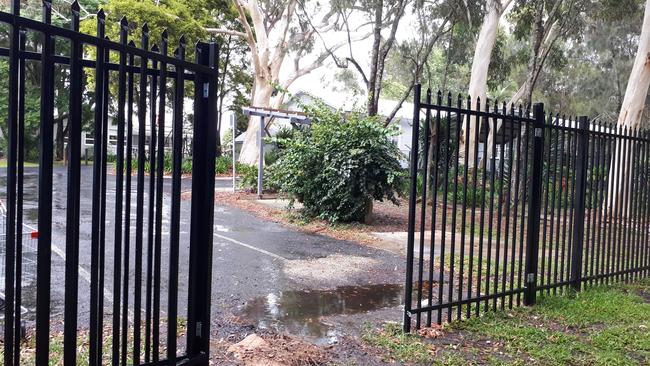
(599, 326)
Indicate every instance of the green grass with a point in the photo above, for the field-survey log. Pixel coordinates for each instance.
(398, 345)
(600, 326)
(3, 164)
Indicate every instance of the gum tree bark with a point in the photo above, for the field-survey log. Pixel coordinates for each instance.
(631, 112)
(480, 63)
(270, 33)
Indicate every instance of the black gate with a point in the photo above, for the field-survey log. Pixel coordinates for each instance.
(545, 204)
(136, 251)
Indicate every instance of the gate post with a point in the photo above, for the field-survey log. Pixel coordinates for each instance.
(534, 205)
(415, 141)
(579, 210)
(201, 228)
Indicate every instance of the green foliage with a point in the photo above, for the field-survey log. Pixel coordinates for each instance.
(222, 165)
(32, 113)
(186, 164)
(271, 156)
(248, 177)
(179, 17)
(340, 166)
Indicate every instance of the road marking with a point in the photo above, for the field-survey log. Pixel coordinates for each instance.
(251, 247)
(82, 272)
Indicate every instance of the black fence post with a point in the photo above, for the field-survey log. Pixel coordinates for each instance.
(579, 211)
(408, 290)
(201, 230)
(534, 205)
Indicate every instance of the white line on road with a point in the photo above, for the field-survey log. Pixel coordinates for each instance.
(251, 247)
(82, 271)
(58, 251)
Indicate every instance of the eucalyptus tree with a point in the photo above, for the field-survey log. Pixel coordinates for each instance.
(478, 83)
(430, 22)
(630, 116)
(279, 33)
(378, 16)
(596, 67)
(542, 25)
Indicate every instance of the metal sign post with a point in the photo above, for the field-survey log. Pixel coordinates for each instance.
(233, 122)
(292, 116)
(260, 160)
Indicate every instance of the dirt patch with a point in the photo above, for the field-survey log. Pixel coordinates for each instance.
(277, 350)
(333, 268)
(384, 218)
(644, 295)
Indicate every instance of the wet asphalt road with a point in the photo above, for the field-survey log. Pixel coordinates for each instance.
(253, 259)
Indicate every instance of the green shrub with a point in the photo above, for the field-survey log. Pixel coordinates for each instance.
(248, 176)
(186, 166)
(339, 166)
(223, 164)
(226, 143)
(271, 156)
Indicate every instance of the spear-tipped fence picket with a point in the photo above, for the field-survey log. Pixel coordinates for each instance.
(556, 203)
(129, 320)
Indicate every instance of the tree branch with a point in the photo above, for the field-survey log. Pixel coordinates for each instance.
(250, 37)
(229, 32)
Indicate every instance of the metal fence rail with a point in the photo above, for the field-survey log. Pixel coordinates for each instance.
(545, 204)
(146, 73)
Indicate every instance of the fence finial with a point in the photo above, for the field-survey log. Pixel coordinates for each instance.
(75, 8)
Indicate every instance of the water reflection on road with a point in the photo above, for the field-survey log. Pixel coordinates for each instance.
(301, 312)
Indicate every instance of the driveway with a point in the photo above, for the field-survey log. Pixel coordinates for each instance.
(268, 275)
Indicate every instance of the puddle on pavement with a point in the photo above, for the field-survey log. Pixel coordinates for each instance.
(300, 312)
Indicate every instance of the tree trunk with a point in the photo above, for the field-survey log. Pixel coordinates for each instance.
(492, 134)
(250, 148)
(373, 98)
(59, 142)
(631, 112)
(478, 80)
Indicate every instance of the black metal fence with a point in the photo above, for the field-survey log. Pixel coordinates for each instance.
(136, 254)
(546, 203)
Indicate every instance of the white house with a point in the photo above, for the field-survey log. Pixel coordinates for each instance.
(87, 138)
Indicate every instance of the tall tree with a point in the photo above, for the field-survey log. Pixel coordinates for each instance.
(432, 21)
(61, 15)
(478, 82)
(379, 15)
(639, 79)
(629, 117)
(543, 23)
(277, 32)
